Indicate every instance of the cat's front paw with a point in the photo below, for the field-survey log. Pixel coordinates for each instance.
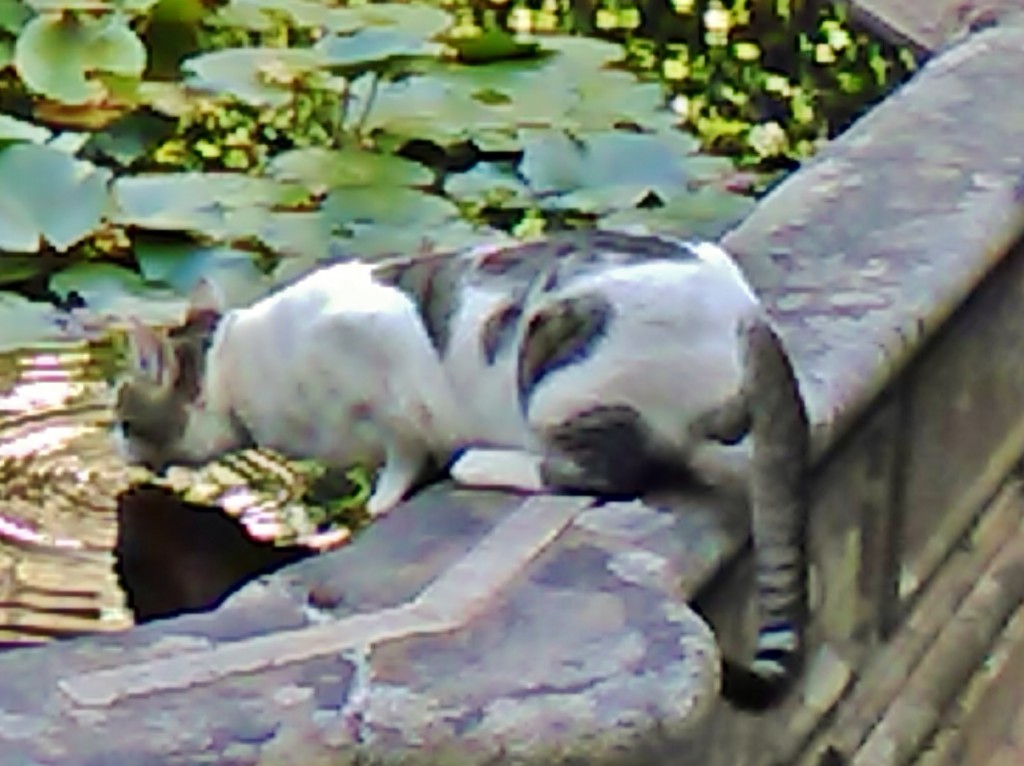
(386, 497)
(499, 469)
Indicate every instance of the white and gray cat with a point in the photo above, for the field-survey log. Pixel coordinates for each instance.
(590, 362)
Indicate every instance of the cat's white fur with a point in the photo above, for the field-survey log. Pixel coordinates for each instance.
(340, 367)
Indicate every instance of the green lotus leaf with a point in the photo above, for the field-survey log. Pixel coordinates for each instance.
(374, 242)
(13, 129)
(211, 203)
(389, 206)
(56, 55)
(24, 322)
(296, 233)
(51, 194)
(13, 16)
(132, 137)
(703, 214)
(259, 15)
(609, 160)
(18, 230)
(258, 76)
(373, 47)
(108, 6)
(556, 91)
(111, 290)
(422, 21)
(181, 265)
(319, 168)
(411, 107)
(586, 53)
(493, 44)
(489, 183)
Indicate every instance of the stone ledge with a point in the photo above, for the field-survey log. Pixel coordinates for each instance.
(930, 25)
(905, 689)
(465, 627)
(867, 250)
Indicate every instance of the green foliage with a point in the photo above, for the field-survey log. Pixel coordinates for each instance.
(144, 143)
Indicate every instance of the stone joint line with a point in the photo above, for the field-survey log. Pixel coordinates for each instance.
(447, 603)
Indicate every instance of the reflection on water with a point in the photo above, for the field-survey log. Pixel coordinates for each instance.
(60, 481)
(58, 484)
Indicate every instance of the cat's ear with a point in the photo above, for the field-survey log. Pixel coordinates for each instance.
(205, 304)
(151, 354)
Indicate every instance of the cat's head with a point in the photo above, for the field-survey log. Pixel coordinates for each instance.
(159, 413)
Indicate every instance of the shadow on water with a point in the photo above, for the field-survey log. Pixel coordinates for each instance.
(173, 556)
(83, 544)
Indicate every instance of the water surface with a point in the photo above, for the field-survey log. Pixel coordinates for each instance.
(60, 484)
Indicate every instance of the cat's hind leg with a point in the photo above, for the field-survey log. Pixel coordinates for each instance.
(720, 452)
(728, 423)
(606, 450)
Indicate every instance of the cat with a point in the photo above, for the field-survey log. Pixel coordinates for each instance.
(590, 362)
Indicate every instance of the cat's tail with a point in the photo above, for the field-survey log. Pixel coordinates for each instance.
(778, 497)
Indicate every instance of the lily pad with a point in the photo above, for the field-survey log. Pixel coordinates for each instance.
(489, 183)
(319, 168)
(182, 265)
(13, 129)
(130, 138)
(388, 206)
(296, 233)
(375, 242)
(257, 76)
(492, 44)
(260, 15)
(114, 291)
(703, 214)
(372, 48)
(46, 193)
(556, 90)
(423, 21)
(24, 322)
(61, 6)
(220, 205)
(410, 108)
(13, 16)
(17, 268)
(57, 54)
(587, 53)
(18, 230)
(598, 164)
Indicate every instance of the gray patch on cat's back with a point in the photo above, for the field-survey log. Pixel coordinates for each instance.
(499, 331)
(560, 257)
(433, 283)
(620, 248)
(560, 334)
(523, 263)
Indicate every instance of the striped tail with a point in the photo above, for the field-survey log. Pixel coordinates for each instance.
(778, 497)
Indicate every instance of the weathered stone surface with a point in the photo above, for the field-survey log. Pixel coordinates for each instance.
(928, 25)
(867, 251)
(885, 675)
(502, 630)
(867, 258)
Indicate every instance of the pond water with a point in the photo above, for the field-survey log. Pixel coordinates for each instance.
(58, 487)
(78, 525)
